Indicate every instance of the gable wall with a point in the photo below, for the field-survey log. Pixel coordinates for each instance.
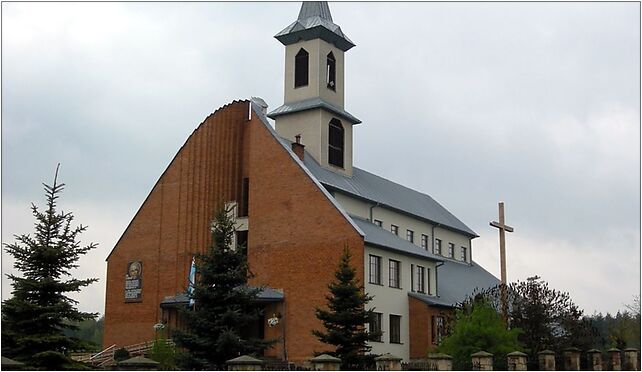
(296, 240)
(173, 223)
(296, 234)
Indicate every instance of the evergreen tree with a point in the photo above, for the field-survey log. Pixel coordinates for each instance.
(224, 307)
(35, 318)
(345, 319)
(478, 326)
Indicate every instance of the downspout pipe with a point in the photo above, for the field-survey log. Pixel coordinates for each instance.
(373, 206)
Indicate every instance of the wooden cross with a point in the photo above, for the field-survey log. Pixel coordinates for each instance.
(501, 225)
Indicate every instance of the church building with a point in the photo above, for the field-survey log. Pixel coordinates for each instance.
(298, 200)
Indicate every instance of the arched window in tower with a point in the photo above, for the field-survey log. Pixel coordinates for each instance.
(301, 68)
(336, 143)
(331, 72)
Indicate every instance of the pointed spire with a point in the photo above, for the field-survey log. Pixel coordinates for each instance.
(315, 22)
(315, 9)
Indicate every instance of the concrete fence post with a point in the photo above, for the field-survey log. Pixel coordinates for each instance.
(482, 361)
(631, 359)
(516, 361)
(440, 362)
(546, 359)
(572, 359)
(325, 362)
(388, 362)
(244, 363)
(615, 359)
(594, 357)
(138, 363)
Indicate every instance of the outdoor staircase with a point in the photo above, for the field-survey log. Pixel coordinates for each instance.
(106, 357)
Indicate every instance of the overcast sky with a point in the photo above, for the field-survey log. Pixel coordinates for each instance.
(535, 104)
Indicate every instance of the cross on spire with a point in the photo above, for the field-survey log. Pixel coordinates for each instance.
(503, 228)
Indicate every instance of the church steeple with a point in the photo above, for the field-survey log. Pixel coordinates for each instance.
(315, 9)
(314, 88)
(315, 21)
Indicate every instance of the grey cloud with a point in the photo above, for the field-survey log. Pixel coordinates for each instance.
(536, 104)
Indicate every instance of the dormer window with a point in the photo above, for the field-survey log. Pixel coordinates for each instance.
(331, 72)
(301, 68)
(335, 143)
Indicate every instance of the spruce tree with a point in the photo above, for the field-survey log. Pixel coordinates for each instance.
(224, 307)
(35, 318)
(345, 319)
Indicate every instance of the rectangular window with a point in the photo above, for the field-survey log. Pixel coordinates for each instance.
(437, 247)
(412, 277)
(451, 250)
(336, 143)
(375, 269)
(378, 222)
(464, 255)
(393, 273)
(241, 239)
(429, 291)
(438, 325)
(394, 229)
(395, 329)
(374, 326)
(424, 241)
(245, 198)
(410, 235)
(421, 279)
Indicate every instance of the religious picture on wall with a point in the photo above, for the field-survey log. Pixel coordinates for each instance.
(134, 282)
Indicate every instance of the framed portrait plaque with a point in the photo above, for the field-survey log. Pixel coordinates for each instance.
(134, 282)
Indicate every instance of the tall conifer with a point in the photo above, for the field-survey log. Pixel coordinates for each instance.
(345, 319)
(35, 317)
(216, 328)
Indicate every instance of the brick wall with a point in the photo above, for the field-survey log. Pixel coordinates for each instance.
(172, 223)
(296, 239)
(296, 235)
(420, 315)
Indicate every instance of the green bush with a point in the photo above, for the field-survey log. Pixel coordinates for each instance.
(479, 327)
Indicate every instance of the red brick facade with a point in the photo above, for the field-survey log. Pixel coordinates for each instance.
(421, 327)
(296, 235)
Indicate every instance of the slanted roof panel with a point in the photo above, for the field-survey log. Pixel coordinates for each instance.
(430, 300)
(315, 21)
(369, 186)
(458, 280)
(309, 104)
(315, 9)
(377, 236)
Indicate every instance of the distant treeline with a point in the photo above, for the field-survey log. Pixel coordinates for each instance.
(89, 330)
(620, 331)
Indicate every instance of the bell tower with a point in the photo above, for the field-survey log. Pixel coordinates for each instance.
(314, 88)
